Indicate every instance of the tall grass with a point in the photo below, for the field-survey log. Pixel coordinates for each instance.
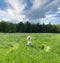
(14, 49)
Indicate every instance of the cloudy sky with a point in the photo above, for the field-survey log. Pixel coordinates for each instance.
(30, 10)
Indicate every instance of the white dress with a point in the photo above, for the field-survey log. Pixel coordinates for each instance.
(29, 40)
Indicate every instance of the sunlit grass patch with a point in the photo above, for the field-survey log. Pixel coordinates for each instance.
(13, 48)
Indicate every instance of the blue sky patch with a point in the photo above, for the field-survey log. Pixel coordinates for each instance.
(29, 4)
(3, 4)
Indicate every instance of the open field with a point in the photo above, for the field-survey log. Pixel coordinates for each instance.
(13, 48)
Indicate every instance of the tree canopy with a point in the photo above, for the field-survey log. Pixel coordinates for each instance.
(27, 27)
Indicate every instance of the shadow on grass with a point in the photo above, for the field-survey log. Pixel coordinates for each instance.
(37, 47)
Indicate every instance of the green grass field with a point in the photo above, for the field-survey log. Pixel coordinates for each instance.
(13, 48)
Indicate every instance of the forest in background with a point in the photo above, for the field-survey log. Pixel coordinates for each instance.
(28, 27)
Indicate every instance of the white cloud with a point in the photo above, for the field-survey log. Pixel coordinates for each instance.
(38, 3)
(52, 18)
(47, 19)
(58, 10)
(15, 13)
(17, 5)
(8, 15)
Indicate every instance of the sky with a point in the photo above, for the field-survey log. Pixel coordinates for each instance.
(42, 11)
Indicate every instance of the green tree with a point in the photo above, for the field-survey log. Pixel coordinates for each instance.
(20, 27)
(28, 27)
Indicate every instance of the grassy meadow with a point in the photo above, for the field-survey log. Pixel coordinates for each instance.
(14, 49)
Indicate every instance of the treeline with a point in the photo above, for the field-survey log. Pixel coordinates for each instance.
(27, 27)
